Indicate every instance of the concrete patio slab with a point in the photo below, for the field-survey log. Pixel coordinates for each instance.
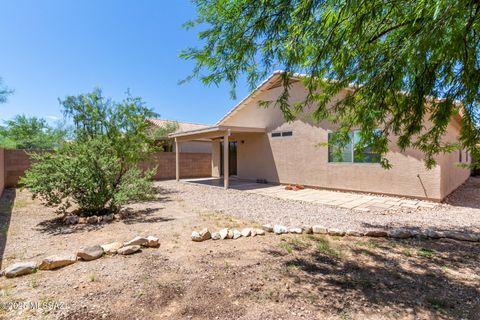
(347, 200)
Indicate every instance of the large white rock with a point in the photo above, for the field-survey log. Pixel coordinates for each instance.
(153, 242)
(223, 233)
(230, 234)
(90, 253)
(319, 229)
(71, 219)
(461, 236)
(128, 249)
(137, 241)
(400, 233)
(295, 230)
(202, 235)
(236, 234)
(246, 232)
(216, 236)
(354, 233)
(267, 228)
(336, 232)
(57, 261)
(259, 232)
(279, 229)
(20, 269)
(111, 248)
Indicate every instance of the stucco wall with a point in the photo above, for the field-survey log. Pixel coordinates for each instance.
(2, 170)
(299, 158)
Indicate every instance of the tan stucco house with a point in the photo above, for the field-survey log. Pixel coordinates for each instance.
(264, 147)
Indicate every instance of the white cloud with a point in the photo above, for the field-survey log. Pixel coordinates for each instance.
(52, 117)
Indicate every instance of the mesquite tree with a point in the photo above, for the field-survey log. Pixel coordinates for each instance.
(98, 171)
(393, 54)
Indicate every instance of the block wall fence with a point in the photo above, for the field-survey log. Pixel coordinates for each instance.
(14, 163)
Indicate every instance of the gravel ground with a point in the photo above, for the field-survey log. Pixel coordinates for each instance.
(460, 212)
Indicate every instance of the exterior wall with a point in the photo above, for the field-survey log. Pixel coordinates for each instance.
(453, 175)
(2, 170)
(16, 163)
(195, 146)
(300, 159)
(192, 165)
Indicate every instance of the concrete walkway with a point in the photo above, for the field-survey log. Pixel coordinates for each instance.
(348, 200)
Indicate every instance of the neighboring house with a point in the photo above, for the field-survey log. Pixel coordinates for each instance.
(263, 146)
(194, 146)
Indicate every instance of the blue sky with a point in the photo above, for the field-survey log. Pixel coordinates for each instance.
(53, 48)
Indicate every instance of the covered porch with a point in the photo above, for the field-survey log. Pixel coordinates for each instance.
(220, 132)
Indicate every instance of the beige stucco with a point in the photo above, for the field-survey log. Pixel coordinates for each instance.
(299, 158)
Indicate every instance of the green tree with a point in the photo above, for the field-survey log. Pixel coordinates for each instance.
(99, 169)
(24, 132)
(4, 92)
(392, 54)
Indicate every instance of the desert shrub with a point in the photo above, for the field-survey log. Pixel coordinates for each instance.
(98, 171)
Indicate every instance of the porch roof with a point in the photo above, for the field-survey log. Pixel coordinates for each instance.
(213, 132)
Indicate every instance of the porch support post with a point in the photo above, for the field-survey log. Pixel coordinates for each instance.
(226, 149)
(177, 160)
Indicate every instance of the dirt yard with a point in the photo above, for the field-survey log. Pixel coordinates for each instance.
(265, 277)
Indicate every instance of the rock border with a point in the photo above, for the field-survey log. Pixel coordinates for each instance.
(395, 233)
(89, 253)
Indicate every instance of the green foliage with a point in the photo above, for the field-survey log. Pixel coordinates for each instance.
(392, 55)
(98, 170)
(29, 133)
(4, 92)
(161, 135)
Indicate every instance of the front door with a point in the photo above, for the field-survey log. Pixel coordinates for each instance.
(232, 158)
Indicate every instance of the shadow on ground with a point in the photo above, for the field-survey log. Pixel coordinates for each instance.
(6, 206)
(424, 277)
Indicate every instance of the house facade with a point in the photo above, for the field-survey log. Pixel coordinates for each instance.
(263, 146)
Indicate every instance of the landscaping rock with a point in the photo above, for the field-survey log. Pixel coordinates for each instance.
(279, 229)
(236, 234)
(153, 242)
(461, 236)
(90, 253)
(137, 241)
(336, 232)
(354, 233)
(117, 216)
(319, 229)
(267, 228)
(216, 236)
(71, 219)
(434, 234)
(202, 235)
(259, 232)
(20, 269)
(400, 233)
(56, 262)
(92, 219)
(230, 234)
(246, 232)
(295, 230)
(223, 233)
(129, 249)
(108, 218)
(82, 220)
(376, 233)
(253, 232)
(111, 248)
(307, 229)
